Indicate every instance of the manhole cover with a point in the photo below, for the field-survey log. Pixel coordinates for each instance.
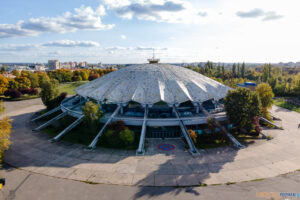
(166, 147)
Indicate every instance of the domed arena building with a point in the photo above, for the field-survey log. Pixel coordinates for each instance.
(151, 96)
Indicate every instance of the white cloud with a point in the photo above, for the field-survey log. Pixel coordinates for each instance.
(71, 43)
(58, 43)
(116, 48)
(19, 47)
(83, 18)
(139, 48)
(123, 37)
(255, 13)
(170, 11)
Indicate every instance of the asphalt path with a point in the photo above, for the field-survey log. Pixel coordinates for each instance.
(25, 185)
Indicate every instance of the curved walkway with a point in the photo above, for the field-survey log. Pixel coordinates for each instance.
(33, 152)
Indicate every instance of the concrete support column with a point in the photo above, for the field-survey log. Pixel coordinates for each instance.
(196, 105)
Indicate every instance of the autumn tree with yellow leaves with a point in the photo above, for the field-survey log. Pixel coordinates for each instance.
(5, 130)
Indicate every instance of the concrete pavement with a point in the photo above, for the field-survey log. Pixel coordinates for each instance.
(24, 185)
(32, 152)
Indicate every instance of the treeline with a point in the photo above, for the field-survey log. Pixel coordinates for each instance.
(65, 75)
(283, 83)
(25, 81)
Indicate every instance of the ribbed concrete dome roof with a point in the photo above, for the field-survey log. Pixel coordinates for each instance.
(152, 83)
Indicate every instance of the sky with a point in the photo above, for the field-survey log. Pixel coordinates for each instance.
(127, 31)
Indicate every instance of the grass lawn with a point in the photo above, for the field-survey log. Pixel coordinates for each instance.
(282, 103)
(80, 134)
(70, 87)
(24, 97)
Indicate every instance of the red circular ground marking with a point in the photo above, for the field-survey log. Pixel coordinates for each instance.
(166, 147)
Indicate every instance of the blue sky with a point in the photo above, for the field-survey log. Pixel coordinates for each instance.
(125, 31)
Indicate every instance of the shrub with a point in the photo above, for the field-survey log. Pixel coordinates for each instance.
(31, 91)
(13, 93)
(76, 78)
(193, 136)
(93, 77)
(112, 138)
(118, 135)
(118, 126)
(242, 106)
(127, 137)
(92, 113)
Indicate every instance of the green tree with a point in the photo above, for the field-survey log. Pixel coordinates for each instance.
(223, 71)
(242, 106)
(297, 86)
(49, 92)
(219, 70)
(5, 130)
(243, 70)
(23, 82)
(234, 70)
(16, 73)
(3, 69)
(92, 114)
(266, 72)
(42, 77)
(238, 70)
(34, 80)
(266, 95)
(13, 84)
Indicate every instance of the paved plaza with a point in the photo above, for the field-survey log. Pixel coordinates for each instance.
(32, 152)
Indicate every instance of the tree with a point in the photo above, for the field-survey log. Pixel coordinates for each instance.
(34, 80)
(242, 106)
(92, 113)
(266, 72)
(84, 75)
(219, 70)
(23, 82)
(43, 77)
(223, 72)
(3, 69)
(234, 70)
(238, 70)
(16, 73)
(297, 86)
(4, 84)
(49, 92)
(13, 84)
(243, 69)
(5, 130)
(266, 95)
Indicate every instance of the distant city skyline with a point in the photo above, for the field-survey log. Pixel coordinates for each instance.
(126, 31)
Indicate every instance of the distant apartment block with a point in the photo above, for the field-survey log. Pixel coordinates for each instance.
(53, 64)
(68, 65)
(83, 64)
